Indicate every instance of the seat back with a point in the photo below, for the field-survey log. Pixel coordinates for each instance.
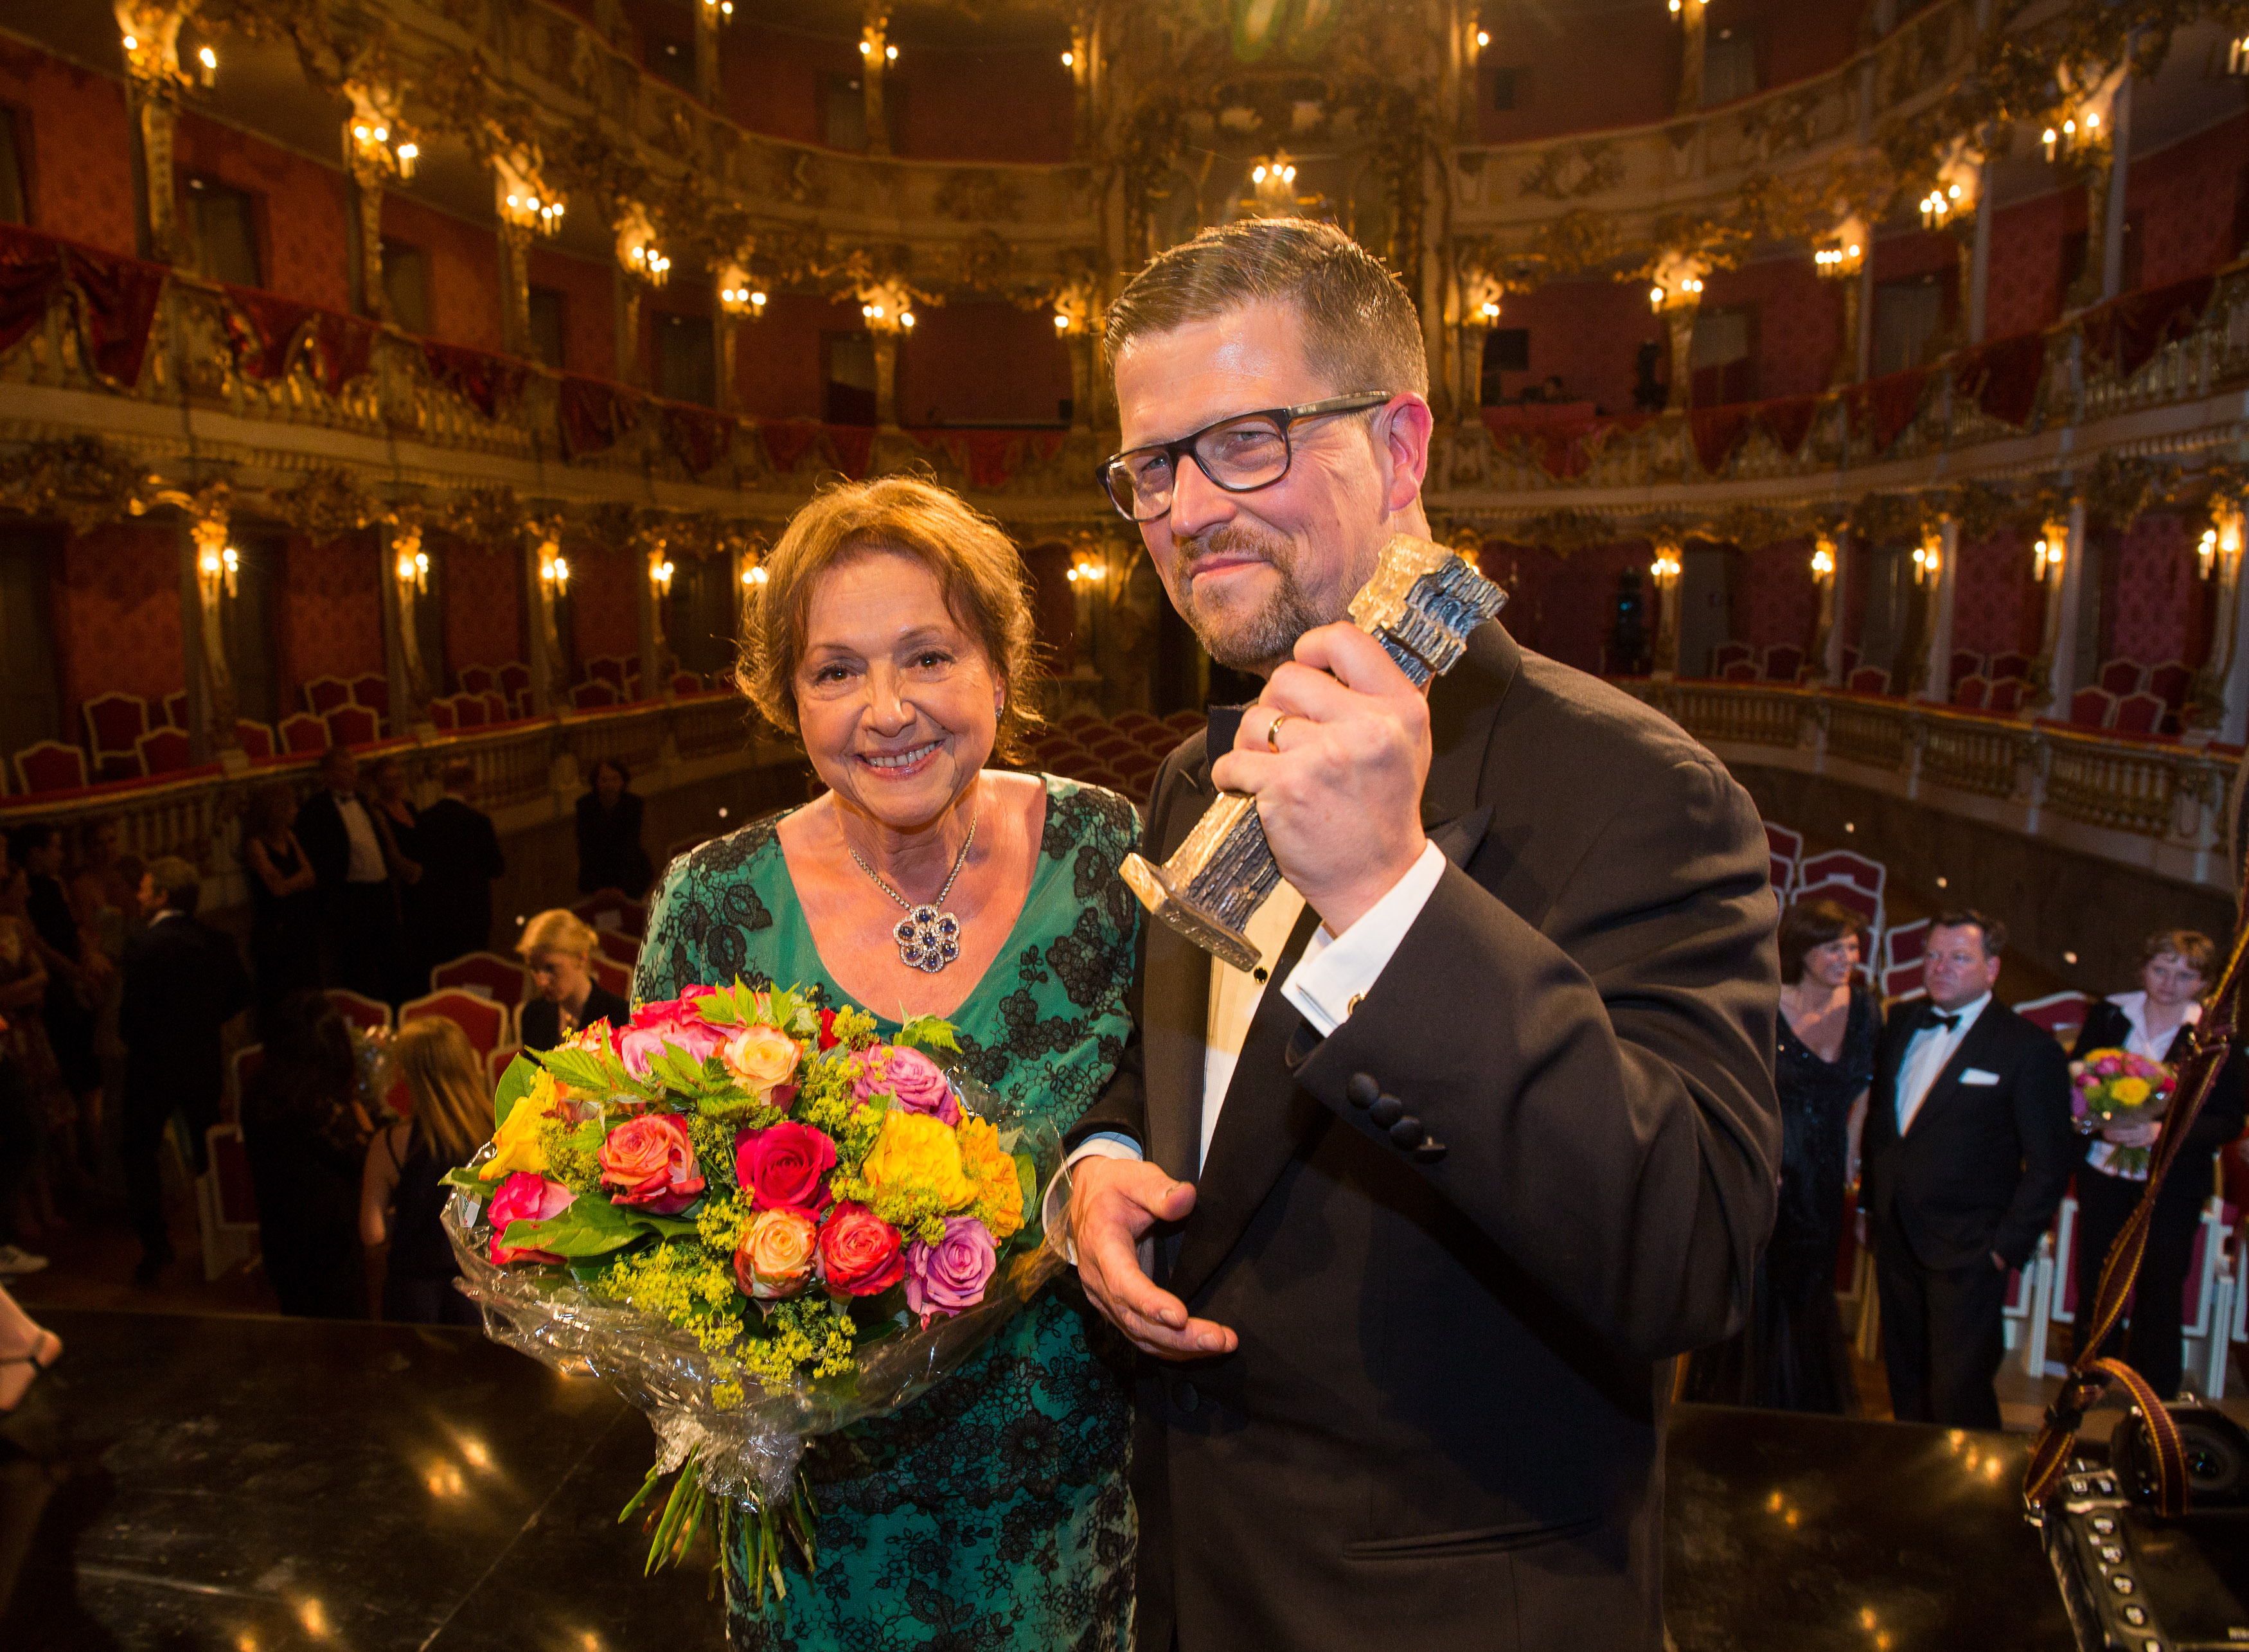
(1869, 875)
(372, 690)
(2092, 708)
(606, 668)
(244, 1068)
(163, 751)
(323, 694)
(2121, 677)
(1965, 663)
(1848, 895)
(50, 766)
(1729, 653)
(1784, 841)
(175, 708)
(1971, 692)
(352, 726)
(2006, 696)
(2010, 666)
(1784, 662)
(621, 945)
(609, 909)
(2061, 1013)
(596, 693)
(228, 1158)
(504, 980)
(1740, 670)
(302, 731)
(115, 722)
(611, 976)
(442, 716)
(477, 679)
(255, 739)
(1869, 679)
(2141, 713)
(495, 706)
(686, 682)
(485, 1022)
(513, 678)
(367, 1013)
(2170, 682)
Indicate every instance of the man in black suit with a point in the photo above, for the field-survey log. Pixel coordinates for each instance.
(1967, 1151)
(460, 857)
(359, 904)
(1431, 1195)
(183, 981)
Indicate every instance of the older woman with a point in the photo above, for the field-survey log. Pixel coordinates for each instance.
(2176, 966)
(893, 638)
(558, 945)
(1790, 1357)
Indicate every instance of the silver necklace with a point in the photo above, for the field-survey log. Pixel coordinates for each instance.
(928, 937)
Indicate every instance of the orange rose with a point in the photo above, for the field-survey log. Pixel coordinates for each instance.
(761, 1058)
(775, 1256)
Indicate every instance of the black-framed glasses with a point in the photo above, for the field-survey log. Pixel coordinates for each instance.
(1240, 454)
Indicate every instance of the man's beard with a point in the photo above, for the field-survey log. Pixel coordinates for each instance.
(1247, 639)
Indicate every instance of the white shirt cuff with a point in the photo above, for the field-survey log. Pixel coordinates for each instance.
(1103, 1144)
(1336, 971)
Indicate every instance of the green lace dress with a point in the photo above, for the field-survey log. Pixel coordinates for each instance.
(992, 1512)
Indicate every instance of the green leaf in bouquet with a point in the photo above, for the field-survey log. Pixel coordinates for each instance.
(466, 1179)
(1026, 1175)
(590, 1227)
(579, 1069)
(928, 1032)
(514, 1084)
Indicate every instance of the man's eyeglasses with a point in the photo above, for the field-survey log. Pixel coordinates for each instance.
(1240, 454)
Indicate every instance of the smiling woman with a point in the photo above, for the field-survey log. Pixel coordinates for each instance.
(893, 637)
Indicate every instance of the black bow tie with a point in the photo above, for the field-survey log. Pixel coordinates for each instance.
(1932, 1016)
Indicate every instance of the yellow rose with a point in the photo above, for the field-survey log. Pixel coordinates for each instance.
(998, 1190)
(918, 1152)
(2130, 1092)
(759, 1057)
(517, 1141)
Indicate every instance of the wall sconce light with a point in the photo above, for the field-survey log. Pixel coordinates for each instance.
(221, 569)
(527, 209)
(371, 144)
(1664, 569)
(1823, 562)
(660, 570)
(2046, 556)
(867, 50)
(652, 265)
(1487, 313)
(742, 301)
(1087, 570)
(1928, 558)
(883, 319)
(414, 572)
(2236, 56)
(207, 66)
(1483, 39)
(724, 8)
(753, 576)
(554, 575)
(2221, 542)
(1068, 59)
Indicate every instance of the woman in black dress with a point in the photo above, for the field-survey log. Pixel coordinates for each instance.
(2176, 966)
(399, 824)
(402, 1192)
(306, 1135)
(558, 945)
(1792, 1356)
(610, 852)
(285, 944)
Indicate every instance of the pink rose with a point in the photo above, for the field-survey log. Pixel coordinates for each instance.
(859, 1252)
(672, 1022)
(649, 1162)
(943, 1278)
(910, 1078)
(776, 1255)
(526, 1196)
(785, 1167)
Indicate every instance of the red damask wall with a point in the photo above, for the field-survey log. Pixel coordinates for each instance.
(462, 262)
(1588, 333)
(768, 79)
(2151, 594)
(1997, 607)
(778, 371)
(1774, 598)
(970, 362)
(604, 612)
(1799, 321)
(482, 606)
(1563, 606)
(75, 138)
(302, 207)
(116, 597)
(982, 105)
(590, 321)
(2187, 201)
(328, 612)
(2024, 289)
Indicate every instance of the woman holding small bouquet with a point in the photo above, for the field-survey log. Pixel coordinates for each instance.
(893, 637)
(2157, 1023)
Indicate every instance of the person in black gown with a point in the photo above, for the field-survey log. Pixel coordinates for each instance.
(1792, 1355)
(284, 917)
(2176, 966)
(609, 851)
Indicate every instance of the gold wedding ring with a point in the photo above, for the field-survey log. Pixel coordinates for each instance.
(1272, 730)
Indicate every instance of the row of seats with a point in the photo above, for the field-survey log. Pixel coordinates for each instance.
(1120, 753)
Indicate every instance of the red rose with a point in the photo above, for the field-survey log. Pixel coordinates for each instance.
(785, 1167)
(649, 1162)
(828, 1039)
(860, 1254)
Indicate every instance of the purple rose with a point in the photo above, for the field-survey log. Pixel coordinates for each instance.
(943, 1278)
(910, 1078)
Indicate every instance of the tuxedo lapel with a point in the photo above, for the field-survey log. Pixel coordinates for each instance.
(1975, 1050)
(1175, 998)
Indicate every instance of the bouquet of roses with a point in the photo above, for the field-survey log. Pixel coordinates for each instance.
(761, 1224)
(2116, 1087)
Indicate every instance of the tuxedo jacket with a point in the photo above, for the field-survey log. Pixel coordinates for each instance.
(327, 843)
(1443, 1424)
(460, 856)
(182, 981)
(1985, 1164)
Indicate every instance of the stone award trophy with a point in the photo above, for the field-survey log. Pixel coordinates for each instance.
(1421, 605)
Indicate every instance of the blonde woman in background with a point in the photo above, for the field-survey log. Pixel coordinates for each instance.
(558, 947)
(402, 1189)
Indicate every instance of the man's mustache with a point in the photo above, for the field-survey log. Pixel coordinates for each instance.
(1225, 541)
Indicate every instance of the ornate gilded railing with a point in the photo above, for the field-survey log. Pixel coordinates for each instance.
(2149, 802)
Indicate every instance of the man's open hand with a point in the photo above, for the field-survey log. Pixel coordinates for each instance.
(1113, 1203)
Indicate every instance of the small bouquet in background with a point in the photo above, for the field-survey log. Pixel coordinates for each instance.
(761, 1224)
(2116, 1087)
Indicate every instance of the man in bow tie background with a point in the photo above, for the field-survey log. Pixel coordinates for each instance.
(1967, 1150)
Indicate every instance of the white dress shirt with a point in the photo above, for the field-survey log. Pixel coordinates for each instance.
(1332, 975)
(366, 864)
(1925, 1055)
(2137, 1040)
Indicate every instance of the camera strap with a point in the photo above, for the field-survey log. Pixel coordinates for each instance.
(2088, 1377)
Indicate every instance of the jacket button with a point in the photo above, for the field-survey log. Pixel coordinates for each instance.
(1184, 1395)
(1387, 1111)
(1360, 1090)
(1429, 1153)
(1406, 1133)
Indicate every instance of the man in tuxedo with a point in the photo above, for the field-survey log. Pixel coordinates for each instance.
(460, 857)
(1967, 1150)
(359, 904)
(1431, 1196)
(183, 981)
